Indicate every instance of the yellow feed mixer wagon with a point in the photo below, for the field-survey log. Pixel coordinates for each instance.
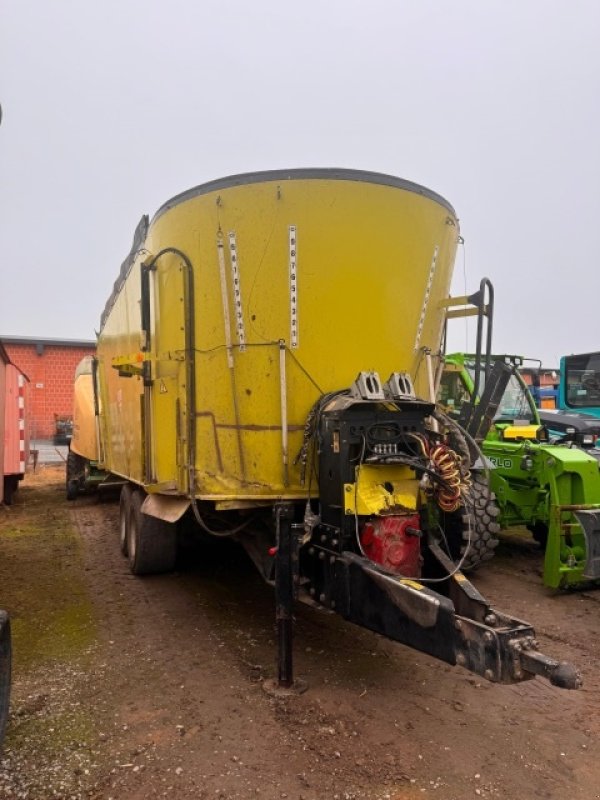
(265, 368)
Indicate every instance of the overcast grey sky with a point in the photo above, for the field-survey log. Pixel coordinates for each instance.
(112, 107)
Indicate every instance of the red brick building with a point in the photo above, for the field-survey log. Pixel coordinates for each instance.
(50, 366)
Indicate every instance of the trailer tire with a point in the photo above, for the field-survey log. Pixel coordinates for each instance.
(480, 525)
(11, 484)
(75, 472)
(151, 542)
(124, 510)
(5, 671)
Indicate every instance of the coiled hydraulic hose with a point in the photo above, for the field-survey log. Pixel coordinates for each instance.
(446, 462)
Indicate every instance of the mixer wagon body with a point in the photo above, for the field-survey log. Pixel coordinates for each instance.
(300, 279)
(240, 385)
(84, 473)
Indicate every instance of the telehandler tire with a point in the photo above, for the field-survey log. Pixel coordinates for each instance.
(151, 542)
(480, 525)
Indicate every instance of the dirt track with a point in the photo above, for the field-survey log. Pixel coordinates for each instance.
(135, 688)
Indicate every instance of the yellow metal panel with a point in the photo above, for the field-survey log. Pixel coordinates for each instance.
(121, 397)
(381, 490)
(520, 432)
(373, 265)
(84, 441)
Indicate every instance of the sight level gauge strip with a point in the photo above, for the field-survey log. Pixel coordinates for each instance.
(237, 292)
(224, 298)
(436, 250)
(293, 288)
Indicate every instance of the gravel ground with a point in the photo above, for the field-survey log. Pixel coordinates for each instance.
(143, 688)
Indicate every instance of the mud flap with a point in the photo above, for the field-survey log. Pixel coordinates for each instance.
(161, 506)
(590, 522)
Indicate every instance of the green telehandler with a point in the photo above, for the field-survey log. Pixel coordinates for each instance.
(552, 490)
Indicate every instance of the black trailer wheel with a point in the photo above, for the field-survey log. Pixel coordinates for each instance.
(151, 542)
(480, 525)
(5, 671)
(11, 484)
(75, 474)
(124, 510)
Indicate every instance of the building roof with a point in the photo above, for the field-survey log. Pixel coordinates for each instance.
(45, 341)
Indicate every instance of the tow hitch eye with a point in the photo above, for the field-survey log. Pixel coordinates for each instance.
(505, 650)
(527, 658)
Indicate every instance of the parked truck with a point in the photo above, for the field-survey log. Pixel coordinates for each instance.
(576, 418)
(265, 370)
(579, 387)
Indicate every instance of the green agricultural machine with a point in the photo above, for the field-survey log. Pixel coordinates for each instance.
(552, 490)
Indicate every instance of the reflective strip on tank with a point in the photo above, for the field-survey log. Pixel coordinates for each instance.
(224, 298)
(237, 292)
(436, 250)
(293, 288)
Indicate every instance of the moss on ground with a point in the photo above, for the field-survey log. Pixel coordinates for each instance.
(41, 577)
(51, 732)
